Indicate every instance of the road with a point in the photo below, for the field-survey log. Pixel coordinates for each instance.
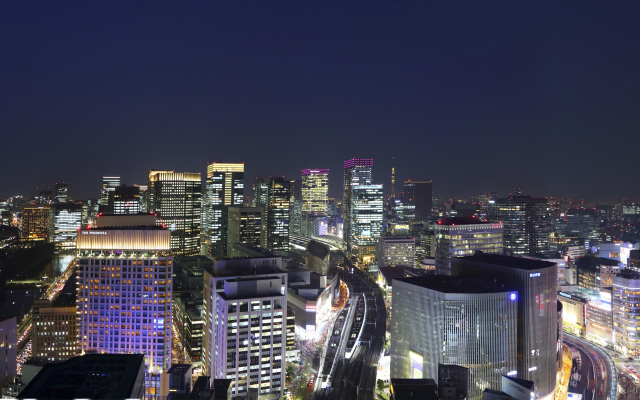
(606, 374)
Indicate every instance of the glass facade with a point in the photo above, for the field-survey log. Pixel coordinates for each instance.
(278, 215)
(526, 224)
(315, 191)
(244, 226)
(418, 200)
(67, 222)
(109, 183)
(357, 171)
(367, 211)
(626, 313)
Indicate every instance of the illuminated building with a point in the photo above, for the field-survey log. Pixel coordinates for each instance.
(54, 325)
(367, 209)
(46, 196)
(67, 221)
(574, 312)
(125, 271)
(61, 192)
(396, 251)
(315, 191)
(295, 214)
(454, 320)
(151, 187)
(244, 225)
(224, 188)
(292, 352)
(310, 295)
(8, 348)
(626, 308)
(278, 215)
(537, 323)
(245, 306)
(109, 183)
(357, 171)
(177, 203)
(419, 195)
(37, 223)
(526, 224)
(144, 197)
(125, 200)
(599, 318)
(458, 237)
(314, 225)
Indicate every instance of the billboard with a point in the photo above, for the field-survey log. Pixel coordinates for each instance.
(519, 389)
(415, 365)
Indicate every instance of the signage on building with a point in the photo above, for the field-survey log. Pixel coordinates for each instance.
(516, 388)
(415, 365)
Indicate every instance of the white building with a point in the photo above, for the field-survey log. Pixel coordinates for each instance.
(396, 251)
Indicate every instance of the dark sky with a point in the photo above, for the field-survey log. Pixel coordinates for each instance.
(478, 96)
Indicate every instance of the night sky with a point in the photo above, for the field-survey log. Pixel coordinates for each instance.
(478, 96)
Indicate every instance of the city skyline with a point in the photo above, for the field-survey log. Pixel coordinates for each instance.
(532, 94)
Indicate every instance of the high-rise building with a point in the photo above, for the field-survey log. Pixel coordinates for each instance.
(125, 271)
(109, 183)
(61, 192)
(459, 237)
(67, 221)
(396, 251)
(125, 200)
(37, 223)
(419, 195)
(244, 226)
(295, 215)
(151, 187)
(357, 171)
(144, 197)
(626, 307)
(224, 188)
(535, 282)
(54, 327)
(278, 215)
(367, 211)
(454, 320)
(526, 224)
(315, 191)
(8, 349)
(178, 206)
(245, 307)
(46, 196)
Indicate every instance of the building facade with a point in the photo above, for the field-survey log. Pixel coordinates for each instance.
(626, 307)
(61, 192)
(109, 183)
(315, 191)
(396, 251)
(244, 225)
(459, 237)
(178, 206)
(367, 212)
(8, 348)
(37, 223)
(526, 224)
(278, 214)
(419, 195)
(67, 221)
(224, 188)
(357, 171)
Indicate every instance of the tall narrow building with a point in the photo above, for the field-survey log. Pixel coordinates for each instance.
(151, 188)
(224, 188)
(125, 271)
(419, 196)
(367, 213)
(315, 191)
(278, 215)
(178, 206)
(109, 183)
(67, 219)
(357, 171)
(125, 200)
(61, 192)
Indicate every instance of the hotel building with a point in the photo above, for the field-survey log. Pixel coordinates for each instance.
(125, 270)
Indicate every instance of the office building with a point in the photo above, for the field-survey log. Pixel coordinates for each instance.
(224, 188)
(314, 225)
(535, 282)
(244, 225)
(54, 325)
(367, 211)
(245, 305)
(418, 195)
(125, 271)
(91, 376)
(178, 380)
(144, 197)
(454, 320)
(626, 307)
(459, 237)
(295, 216)
(67, 221)
(46, 197)
(151, 188)
(357, 171)
(125, 200)
(293, 353)
(318, 257)
(315, 191)
(61, 192)
(278, 215)
(109, 183)
(178, 206)
(8, 348)
(37, 223)
(453, 382)
(396, 251)
(526, 224)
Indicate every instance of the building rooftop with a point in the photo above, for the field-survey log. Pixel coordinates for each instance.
(179, 369)
(508, 261)
(317, 249)
(454, 284)
(92, 376)
(462, 221)
(391, 273)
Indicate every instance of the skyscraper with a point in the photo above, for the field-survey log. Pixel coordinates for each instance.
(367, 212)
(125, 200)
(315, 191)
(37, 223)
(357, 171)
(178, 206)
(67, 221)
(526, 224)
(61, 192)
(244, 226)
(125, 271)
(419, 195)
(224, 188)
(278, 214)
(109, 183)
(152, 189)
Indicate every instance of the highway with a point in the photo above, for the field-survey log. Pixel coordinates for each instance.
(606, 374)
(355, 378)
